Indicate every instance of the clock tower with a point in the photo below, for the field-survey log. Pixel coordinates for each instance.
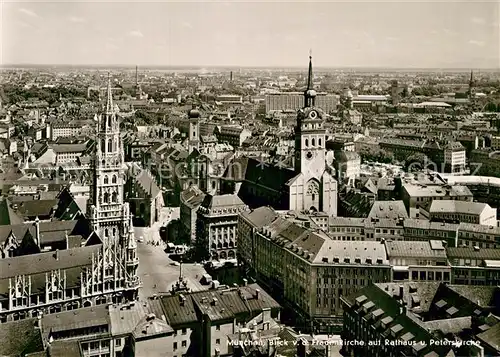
(313, 188)
(310, 134)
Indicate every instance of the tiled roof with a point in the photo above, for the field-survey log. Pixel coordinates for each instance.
(414, 249)
(261, 216)
(64, 348)
(37, 208)
(455, 206)
(7, 215)
(45, 262)
(18, 338)
(222, 201)
(388, 209)
(86, 317)
(69, 148)
(148, 183)
(471, 253)
(456, 325)
(216, 304)
(352, 250)
(193, 196)
(491, 337)
(271, 177)
(20, 230)
(395, 320)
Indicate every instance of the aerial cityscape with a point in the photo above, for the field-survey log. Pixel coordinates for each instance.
(249, 179)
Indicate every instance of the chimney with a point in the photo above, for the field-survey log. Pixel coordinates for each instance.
(67, 239)
(245, 282)
(56, 254)
(214, 301)
(257, 293)
(266, 315)
(37, 232)
(38, 322)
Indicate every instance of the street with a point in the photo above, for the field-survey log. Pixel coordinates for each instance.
(156, 270)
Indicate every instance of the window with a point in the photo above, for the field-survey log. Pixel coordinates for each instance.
(184, 343)
(106, 180)
(184, 331)
(217, 327)
(307, 142)
(113, 180)
(175, 346)
(313, 142)
(217, 341)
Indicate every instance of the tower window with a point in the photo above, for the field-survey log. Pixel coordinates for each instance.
(106, 232)
(114, 197)
(110, 146)
(113, 180)
(106, 180)
(319, 141)
(307, 142)
(313, 196)
(114, 232)
(106, 197)
(103, 145)
(313, 142)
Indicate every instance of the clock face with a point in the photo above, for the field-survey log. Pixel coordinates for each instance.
(313, 115)
(309, 155)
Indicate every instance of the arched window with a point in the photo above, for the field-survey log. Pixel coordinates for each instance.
(114, 232)
(114, 197)
(106, 233)
(113, 180)
(307, 142)
(110, 145)
(108, 122)
(103, 145)
(319, 141)
(106, 197)
(313, 142)
(106, 180)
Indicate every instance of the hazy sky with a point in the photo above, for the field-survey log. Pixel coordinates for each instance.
(256, 33)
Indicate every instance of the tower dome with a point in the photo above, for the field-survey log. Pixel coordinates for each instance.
(194, 114)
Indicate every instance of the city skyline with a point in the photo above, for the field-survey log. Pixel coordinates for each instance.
(258, 34)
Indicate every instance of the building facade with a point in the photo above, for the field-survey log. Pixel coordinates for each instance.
(293, 101)
(109, 214)
(217, 219)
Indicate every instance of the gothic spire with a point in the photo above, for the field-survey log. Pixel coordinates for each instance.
(310, 74)
(109, 105)
(309, 93)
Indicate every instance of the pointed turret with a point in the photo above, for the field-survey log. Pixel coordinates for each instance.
(310, 93)
(109, 104)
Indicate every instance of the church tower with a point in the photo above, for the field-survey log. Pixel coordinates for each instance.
(110, 216)
(194, 129)
(471, 86)
(313, 188)
(309, 134)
